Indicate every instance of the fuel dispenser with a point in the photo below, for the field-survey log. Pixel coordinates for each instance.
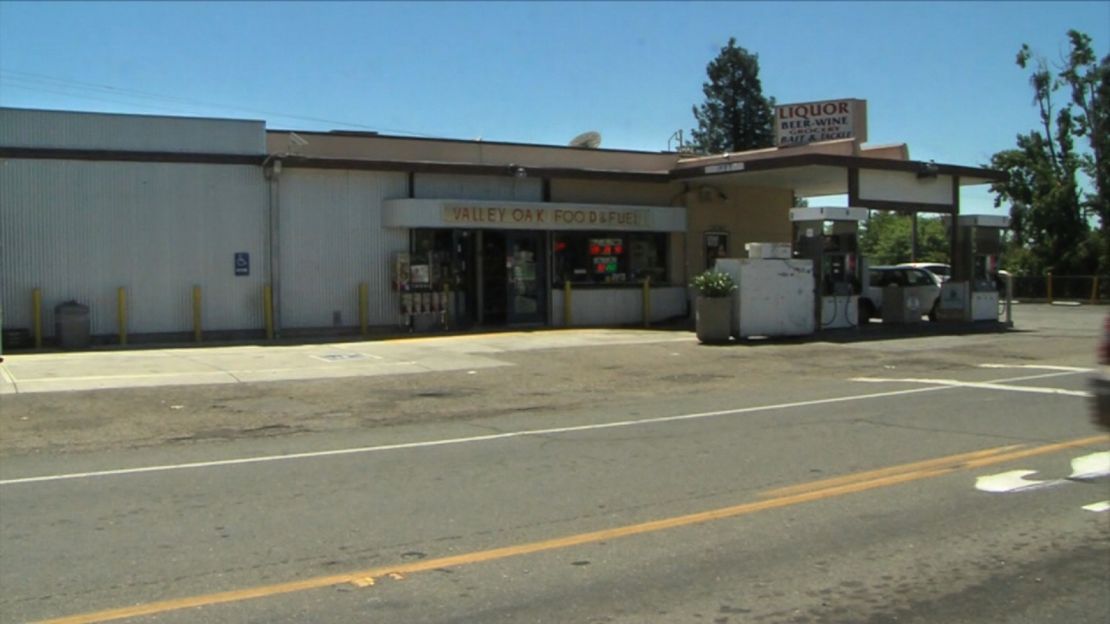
(829, 236)
(973, 291)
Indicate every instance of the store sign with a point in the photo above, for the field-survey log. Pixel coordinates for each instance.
(724, 168)
(541, 217)
(511, 215)
(811, 122)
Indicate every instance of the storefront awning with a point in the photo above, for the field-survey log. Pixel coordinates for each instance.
(508, 215)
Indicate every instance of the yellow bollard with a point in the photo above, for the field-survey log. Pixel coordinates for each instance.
(566, 303)
(1094, 290)
(1049, 287)
(647, 301)
(363, 308)
(268, 310)
(447, 305)
(196, 314)
(36, 316)
(121, 300)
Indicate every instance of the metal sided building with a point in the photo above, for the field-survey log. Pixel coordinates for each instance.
(172, 228)
(92, 203)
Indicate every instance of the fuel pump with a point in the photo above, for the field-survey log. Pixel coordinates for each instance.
(974, 293)
(829, 236)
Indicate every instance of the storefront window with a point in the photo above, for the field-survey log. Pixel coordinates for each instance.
(608, 257)
(431, 260)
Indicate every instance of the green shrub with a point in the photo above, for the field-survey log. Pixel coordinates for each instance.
(714, 284)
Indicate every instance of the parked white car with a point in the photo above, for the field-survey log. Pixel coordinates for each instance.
(942, 271)
(925, 283)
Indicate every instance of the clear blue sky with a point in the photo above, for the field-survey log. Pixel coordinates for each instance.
(939, 76)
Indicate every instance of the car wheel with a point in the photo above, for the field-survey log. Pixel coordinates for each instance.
(933, 312)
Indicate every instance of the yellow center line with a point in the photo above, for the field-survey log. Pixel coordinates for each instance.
(856, 477)
(803, 493)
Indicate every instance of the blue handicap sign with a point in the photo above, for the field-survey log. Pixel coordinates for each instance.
(242, 263)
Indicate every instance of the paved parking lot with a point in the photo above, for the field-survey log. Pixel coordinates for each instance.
(126, 398)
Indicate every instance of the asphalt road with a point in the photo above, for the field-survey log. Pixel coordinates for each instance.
(808, 482)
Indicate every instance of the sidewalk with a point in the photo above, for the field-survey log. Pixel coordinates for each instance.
(30, 372)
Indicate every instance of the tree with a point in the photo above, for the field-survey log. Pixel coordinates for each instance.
(735, 116)
(886, 238)
(1049, 207)
(1090, 93)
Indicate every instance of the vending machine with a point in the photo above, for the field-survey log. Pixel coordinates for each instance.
(774, 294)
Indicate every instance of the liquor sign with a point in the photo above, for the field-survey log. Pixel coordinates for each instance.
(810, 122)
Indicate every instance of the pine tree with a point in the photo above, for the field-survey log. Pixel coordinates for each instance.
(735, 115)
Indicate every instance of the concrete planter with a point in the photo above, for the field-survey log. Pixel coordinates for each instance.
(713, 319)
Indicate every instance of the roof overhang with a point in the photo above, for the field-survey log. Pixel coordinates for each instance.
(816, 175)
(883, 183)
(309, 162)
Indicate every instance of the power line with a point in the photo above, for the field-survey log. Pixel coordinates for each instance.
(49, 84)
(94, 98)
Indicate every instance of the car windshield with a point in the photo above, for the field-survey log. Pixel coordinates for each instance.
(918, 277)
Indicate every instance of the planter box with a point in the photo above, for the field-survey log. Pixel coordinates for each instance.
(714, 319)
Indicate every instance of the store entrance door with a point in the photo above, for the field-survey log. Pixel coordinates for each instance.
(526, 278)
(513, 278)
(493, 278)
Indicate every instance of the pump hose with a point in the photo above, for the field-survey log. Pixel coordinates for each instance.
(825, 323)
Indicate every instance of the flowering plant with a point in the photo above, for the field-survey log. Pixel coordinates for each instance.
(714, 284)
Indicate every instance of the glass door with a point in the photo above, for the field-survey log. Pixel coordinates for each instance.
(525, 272)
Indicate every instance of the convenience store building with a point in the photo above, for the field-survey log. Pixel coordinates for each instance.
(169, 227)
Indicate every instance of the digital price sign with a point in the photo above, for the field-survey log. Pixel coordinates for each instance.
(606, 247)
(605, 253)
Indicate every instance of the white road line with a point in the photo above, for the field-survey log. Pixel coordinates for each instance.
(954, 383)
(472, 439)
(1098, 507)
(1012, 481)
(496, 436)
(1083, 468)
(1074, 369)
(1093, 466)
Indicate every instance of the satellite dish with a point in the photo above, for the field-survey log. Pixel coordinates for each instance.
(589, 140)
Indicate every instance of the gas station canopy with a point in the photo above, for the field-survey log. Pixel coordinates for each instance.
(881, 178)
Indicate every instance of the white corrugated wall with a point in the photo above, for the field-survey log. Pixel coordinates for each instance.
(80, 230)
(332, 240)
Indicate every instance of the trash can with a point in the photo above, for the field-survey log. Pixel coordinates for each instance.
(71, 325)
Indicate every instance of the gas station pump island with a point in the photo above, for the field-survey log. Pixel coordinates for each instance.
(829, 237)
(816, 282)
(972, 293)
